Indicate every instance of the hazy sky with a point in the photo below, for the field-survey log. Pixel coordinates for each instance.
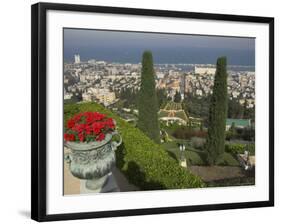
(83, 38)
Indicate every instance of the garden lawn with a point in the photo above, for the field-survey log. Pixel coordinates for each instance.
(192, 156)
(195, 157)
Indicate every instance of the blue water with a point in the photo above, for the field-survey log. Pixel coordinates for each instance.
(163, 55)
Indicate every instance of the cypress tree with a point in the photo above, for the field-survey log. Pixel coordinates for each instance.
(177, 97)
(148, 105)
(215, 142)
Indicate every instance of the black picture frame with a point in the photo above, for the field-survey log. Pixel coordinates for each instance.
(38, 108)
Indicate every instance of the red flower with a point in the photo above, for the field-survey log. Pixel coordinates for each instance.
(65, 136)
(70, 123)
(77, 117)
(110, 123)
(97, 127)
(69, 137)
(81, 137)
(89, 117)
(79, 127)
(100, 137)
(97, 116)
(88, 129)
(88, 125)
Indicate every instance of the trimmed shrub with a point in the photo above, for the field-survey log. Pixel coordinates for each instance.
(229, 159)
(197, 142)
(240, 148)
(187, 133)
(144, 163)
(194, 158)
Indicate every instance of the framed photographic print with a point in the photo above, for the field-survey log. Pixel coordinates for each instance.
(139, 111)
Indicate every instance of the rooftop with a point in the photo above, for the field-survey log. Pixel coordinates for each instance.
(238, 122)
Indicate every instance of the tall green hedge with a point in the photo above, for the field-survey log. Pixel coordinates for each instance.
(145, 163)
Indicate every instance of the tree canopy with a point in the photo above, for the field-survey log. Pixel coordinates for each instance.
(148, 105)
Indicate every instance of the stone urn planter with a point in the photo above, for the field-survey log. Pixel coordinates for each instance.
(93, 161)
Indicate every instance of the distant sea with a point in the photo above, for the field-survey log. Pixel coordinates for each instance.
(164, 55)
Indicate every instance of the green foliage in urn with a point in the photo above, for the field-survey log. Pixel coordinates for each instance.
(148, 105)
(215, 142)
(145, 163)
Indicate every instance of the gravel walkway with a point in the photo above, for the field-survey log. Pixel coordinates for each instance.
(122, 181)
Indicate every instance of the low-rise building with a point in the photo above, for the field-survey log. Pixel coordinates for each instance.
(238, 123)
(204, 70)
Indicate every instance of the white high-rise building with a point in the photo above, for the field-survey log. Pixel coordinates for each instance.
(76, 58)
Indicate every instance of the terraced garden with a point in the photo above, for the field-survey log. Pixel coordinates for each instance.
(145, 164)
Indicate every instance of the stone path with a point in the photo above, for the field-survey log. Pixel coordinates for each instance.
(71, 184)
